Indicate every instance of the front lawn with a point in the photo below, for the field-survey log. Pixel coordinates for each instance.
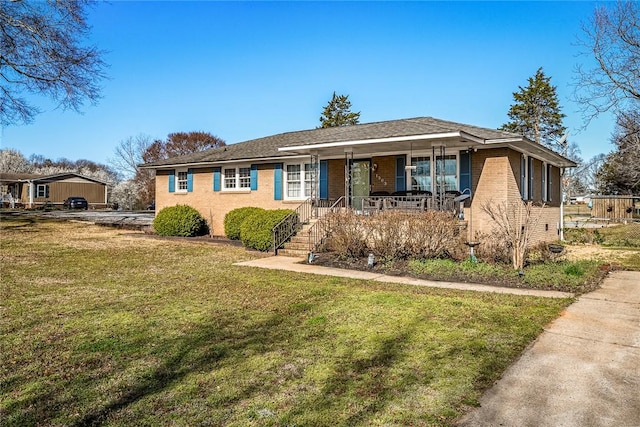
(103, 327)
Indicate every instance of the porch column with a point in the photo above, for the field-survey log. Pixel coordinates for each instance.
(32, 189)
(315, 171)
(348, 161)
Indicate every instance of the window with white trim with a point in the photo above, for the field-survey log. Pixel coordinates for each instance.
(448, 165)
(236, 178)
(42, 191)
(299, 180)
(182, 180)
(421, 175)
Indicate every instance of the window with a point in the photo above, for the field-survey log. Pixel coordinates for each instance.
(42, 191)
(531, 175)
(543, 184)
(237, 178)
(293, 181)
(181, 180)
(549, 183)
(421, 175)
(523, 177)
(299, 180)
(230, 178)
(449, 175)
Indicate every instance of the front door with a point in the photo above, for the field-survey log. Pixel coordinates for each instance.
(360, 182)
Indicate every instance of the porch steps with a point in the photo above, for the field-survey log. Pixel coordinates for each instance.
(298, 246)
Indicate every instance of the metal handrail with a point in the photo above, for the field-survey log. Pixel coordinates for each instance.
(291, 224)
(319, 231)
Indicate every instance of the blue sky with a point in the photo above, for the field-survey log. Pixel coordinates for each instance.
(245, 70)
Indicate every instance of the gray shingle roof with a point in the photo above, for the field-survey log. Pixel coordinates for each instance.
(267, 147)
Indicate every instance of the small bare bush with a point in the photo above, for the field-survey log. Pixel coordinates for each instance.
(492, 249)
(434, 234)
(514, 222)
(347, 236)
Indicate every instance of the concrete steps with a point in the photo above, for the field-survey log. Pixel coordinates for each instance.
(298, 246)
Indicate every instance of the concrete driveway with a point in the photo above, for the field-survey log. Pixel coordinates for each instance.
(583, 371)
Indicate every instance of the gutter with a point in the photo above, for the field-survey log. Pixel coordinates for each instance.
(262, 160)
(458, 134)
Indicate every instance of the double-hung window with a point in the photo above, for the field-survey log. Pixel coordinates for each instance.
(182, 180)
(299, 180)
(42, 191)
(237, 178)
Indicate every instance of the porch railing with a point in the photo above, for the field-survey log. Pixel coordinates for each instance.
(319, 231)
(291, 224)
(373, 204)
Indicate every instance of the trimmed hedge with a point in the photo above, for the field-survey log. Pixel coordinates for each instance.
(234, 219)
(256, 230)
(180, 220)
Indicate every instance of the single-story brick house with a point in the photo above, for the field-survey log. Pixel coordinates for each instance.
(31, 190)
(400, 158)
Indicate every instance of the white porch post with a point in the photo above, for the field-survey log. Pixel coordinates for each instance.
(32, 189)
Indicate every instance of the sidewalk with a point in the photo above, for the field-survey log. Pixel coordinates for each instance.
(583, 371)
(293, 264)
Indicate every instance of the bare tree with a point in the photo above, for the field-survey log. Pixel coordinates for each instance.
(42, 52)
(12, 161)
(515, 223)
(620, 172)
(128, 154)
(612, 37)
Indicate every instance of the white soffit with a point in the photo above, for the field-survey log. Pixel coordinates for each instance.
(446, 135)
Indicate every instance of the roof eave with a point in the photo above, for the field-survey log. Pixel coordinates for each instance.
(218, 162)
(349, 143)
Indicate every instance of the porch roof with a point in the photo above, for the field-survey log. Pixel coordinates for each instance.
(378, 137)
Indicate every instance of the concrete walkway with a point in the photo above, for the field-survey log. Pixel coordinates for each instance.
(293, 264)
(583, 371)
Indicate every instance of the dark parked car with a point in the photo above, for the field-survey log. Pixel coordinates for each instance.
(76, 203)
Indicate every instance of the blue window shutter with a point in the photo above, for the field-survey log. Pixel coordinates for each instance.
(172, 181)
(324, 179)
(254, 177)
(189, 180)
(401, 175)
(277, 181)
(216, 179)
(46, 191)
(465, 171)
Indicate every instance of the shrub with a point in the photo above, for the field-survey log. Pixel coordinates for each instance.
(347, 235)
(396, 235)
(234, 219)
(180, 220)
(256, 229)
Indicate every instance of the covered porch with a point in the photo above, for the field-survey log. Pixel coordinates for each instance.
(369, 176)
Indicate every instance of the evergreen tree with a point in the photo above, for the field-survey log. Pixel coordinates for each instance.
(536, 113)
(338, 113)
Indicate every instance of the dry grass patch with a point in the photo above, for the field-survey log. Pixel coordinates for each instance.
(143, 331)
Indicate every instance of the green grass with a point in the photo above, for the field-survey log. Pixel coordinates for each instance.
(623, 235)
(567, 276)
(100, 327)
